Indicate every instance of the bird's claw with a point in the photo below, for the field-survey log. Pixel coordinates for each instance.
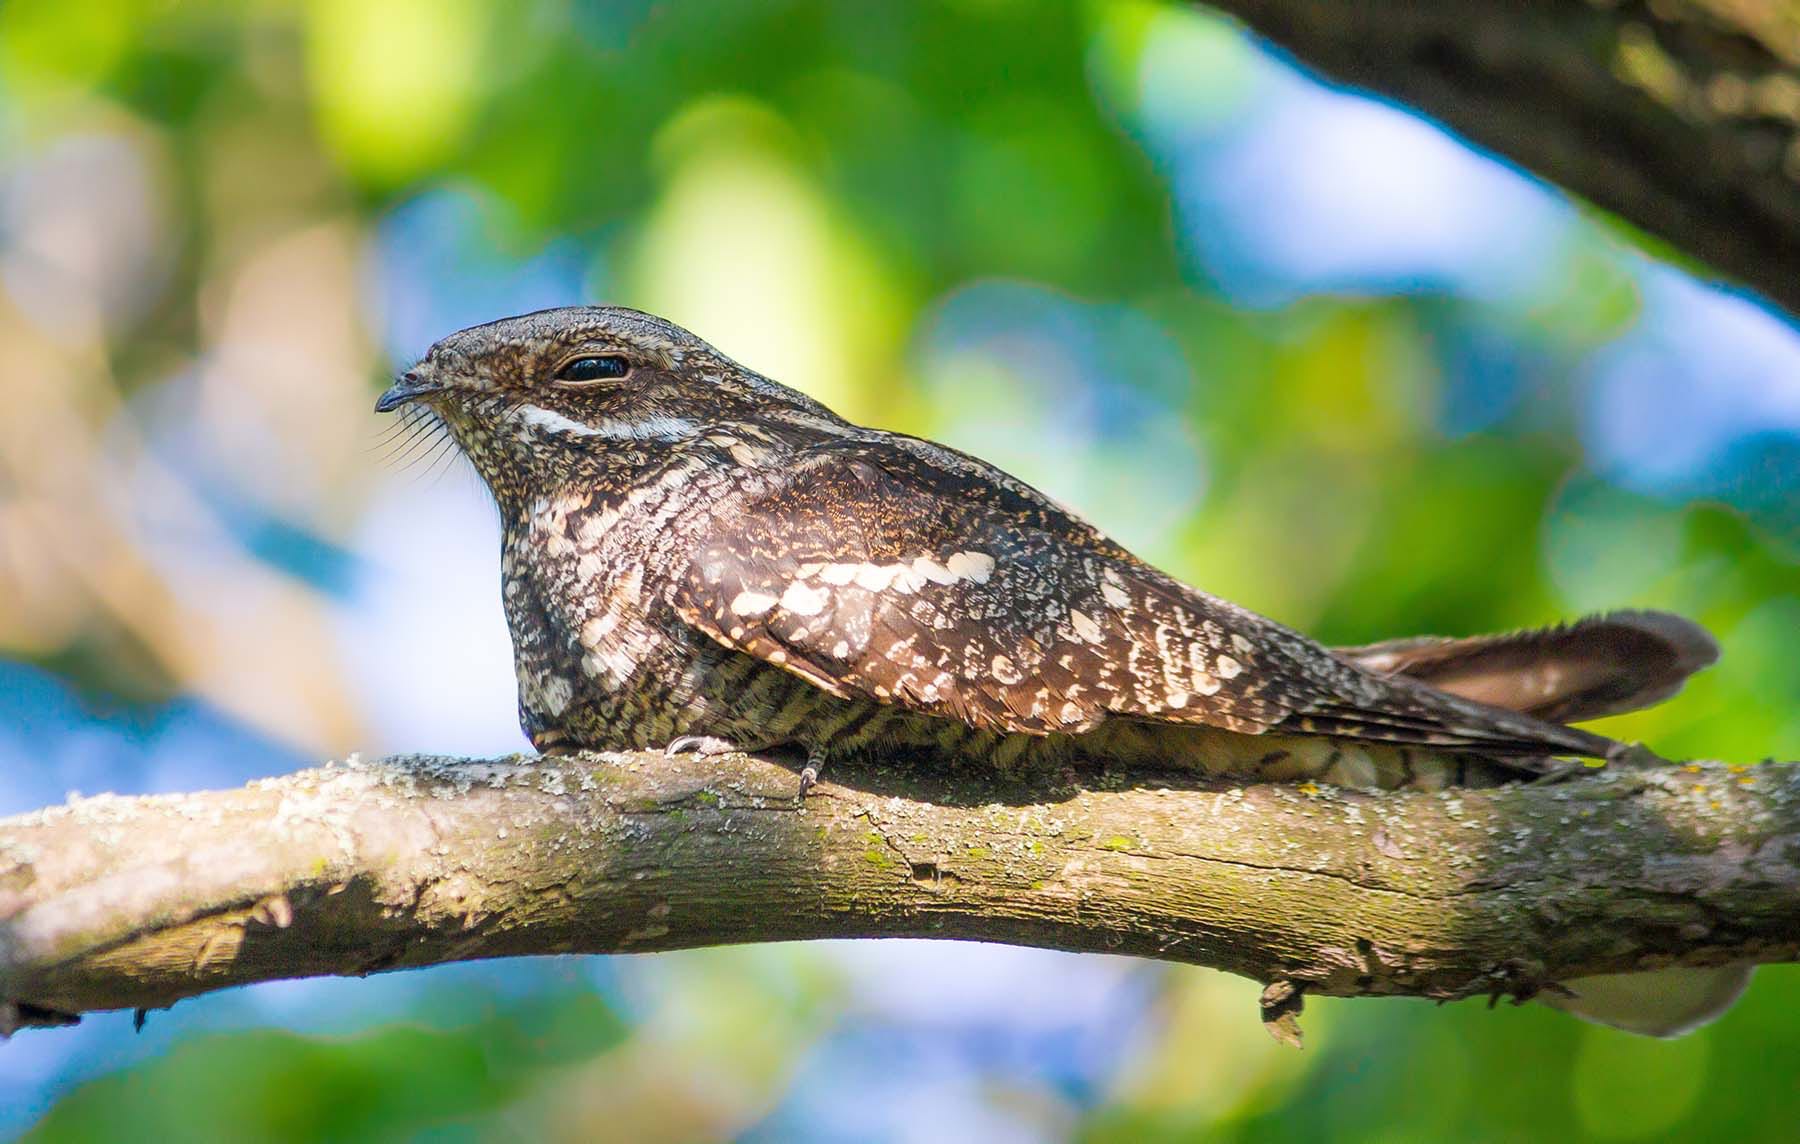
(699, 745)
(1562, 774)
(1635, 756)
(809, 774)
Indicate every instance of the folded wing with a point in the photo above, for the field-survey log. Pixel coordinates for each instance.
(906, 574)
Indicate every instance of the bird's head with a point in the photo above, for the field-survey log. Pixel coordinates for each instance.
(522, 395)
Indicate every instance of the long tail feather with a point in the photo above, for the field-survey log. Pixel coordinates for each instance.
(1601, 665)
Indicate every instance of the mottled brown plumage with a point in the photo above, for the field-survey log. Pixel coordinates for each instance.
(697, 555)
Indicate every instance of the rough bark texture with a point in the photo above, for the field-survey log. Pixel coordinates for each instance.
(116, 902)
(1681, 116)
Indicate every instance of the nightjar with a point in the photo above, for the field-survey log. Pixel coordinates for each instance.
(696, 557)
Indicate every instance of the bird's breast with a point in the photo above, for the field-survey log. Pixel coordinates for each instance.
(599, 652)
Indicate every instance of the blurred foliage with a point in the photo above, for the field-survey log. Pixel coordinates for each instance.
(395, 1081)
(1079, 238)
(560, 1061)
(1410, 1072)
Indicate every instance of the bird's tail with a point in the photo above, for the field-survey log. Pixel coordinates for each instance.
(1602, 665)
(1658, 1002)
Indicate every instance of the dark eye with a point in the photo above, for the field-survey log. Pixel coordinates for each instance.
(597, 368)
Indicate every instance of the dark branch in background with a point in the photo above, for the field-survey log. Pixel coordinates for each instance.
(114, 903)
(1681, 116)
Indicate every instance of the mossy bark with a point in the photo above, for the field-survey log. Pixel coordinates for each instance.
(112, 902)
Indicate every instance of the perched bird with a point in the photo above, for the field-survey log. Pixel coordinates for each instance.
(698, 558)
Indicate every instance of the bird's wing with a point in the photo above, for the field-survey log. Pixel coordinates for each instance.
(917, 576)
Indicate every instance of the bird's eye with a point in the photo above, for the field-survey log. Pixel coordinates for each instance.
(598, 368)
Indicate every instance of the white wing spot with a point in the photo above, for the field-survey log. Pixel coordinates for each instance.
(905, 577)
(976, 566)
(1177, 699)
(1113, 594)
(1085, 628)
(1243, 646)
(1228, 668)
(1005, 670)
(1206, 684)
(840, 649)
(876, 577)
(749, 603)
(933, 571)
(800, 599)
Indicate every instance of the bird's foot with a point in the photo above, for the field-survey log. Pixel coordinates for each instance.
(702, 745)
(1628, 756)
(1565, 771)
(554, 742)
(809, 774)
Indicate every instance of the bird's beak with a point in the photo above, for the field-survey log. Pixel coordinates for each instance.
(406, 387)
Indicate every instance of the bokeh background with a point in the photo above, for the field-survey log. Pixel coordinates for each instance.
(1296, 345)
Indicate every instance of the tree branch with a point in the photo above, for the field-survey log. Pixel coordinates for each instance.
(114, 902)
(1681, 116)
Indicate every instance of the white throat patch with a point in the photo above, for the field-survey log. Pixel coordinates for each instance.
(535, 418)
